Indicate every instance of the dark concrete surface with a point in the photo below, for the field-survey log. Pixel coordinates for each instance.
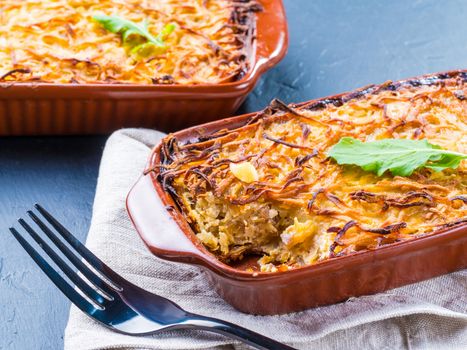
(335, 46)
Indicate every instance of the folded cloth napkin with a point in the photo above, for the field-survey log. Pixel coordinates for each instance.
(426, 315)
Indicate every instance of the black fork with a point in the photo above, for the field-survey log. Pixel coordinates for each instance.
(111, 300)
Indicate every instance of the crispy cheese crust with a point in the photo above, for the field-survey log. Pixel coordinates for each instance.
(297, 206)
(59, 42)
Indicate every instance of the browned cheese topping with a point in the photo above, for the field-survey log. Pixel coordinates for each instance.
(59, 42)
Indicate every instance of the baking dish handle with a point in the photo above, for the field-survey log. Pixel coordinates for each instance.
(272, 35)
(158, 229)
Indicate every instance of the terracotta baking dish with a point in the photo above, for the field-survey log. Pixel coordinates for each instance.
(41, 108)
(168, 235)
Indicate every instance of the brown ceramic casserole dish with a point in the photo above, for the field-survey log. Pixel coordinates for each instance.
(29, 108)
(164, 226)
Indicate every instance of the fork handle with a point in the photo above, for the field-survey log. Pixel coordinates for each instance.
(236, 332)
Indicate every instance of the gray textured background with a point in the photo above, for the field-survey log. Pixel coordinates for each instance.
(335, 46)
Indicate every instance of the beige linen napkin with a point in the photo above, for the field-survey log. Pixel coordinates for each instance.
(426, 315)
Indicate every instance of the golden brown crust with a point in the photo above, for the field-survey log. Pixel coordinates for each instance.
(303, 207)
(58, 41)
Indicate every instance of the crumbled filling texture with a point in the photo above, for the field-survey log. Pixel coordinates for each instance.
(58, 41)
(267, 188)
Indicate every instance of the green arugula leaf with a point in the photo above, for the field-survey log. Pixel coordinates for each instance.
(136, 36)
(400, 156)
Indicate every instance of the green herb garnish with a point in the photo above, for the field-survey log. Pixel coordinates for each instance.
(136, 37)
(400, 156)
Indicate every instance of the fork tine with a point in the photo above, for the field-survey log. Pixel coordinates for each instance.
(72, 275)
(93, 260)
(75, 260)
(58, 280)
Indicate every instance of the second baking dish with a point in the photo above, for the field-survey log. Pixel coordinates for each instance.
(37, 107)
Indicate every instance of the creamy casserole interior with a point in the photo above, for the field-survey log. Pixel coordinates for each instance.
(267, 188)
(58, 41)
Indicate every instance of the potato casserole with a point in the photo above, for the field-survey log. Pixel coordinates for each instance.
(268, 188)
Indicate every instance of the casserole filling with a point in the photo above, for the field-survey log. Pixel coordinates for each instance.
(268, 188)
(60, 41)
